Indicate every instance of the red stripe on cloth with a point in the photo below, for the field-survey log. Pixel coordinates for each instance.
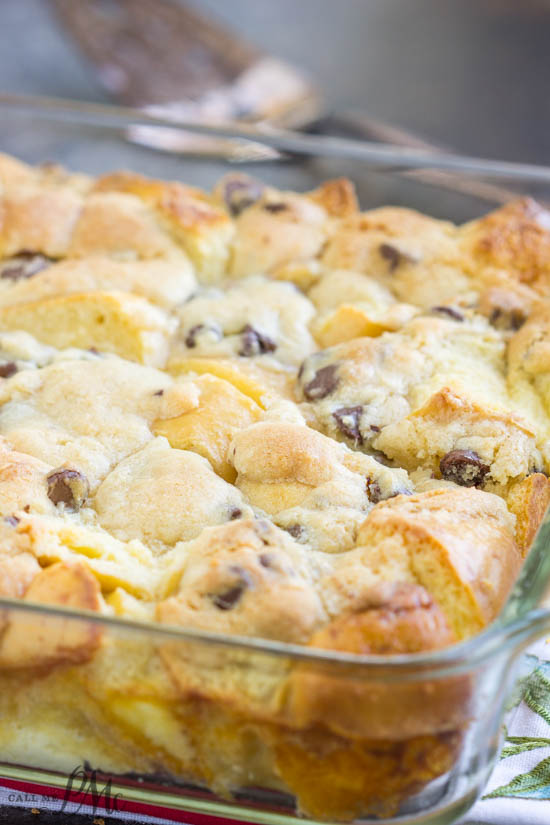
(126, 805)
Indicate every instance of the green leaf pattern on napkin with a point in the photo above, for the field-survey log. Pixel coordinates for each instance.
(535, 784)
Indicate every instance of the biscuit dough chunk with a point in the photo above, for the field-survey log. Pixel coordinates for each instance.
(257, 319)
(311, 486)
(162, 495)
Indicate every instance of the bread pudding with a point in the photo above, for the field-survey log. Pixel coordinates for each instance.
(260, 414)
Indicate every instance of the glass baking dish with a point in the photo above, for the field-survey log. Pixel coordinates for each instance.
(243, 728)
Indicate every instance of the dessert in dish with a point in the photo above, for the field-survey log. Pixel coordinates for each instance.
(269, 415)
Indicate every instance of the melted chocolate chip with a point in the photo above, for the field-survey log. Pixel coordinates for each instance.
(464, 467)
(512, 319)
(159, 393)
(323, 383)
(69, 487)
(255, 343)
(375, 428)
(374, 492)
(450, 312)
(24, 265)
(347, 420)
(235, 513)
(240, 192)
(191, 337)
(8, 369)
(13, 521)
(275, 207)
(296, 531)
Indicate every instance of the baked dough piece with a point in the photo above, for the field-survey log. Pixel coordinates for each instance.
(161, 495)
(114, 564)
(255, 319)
(528, 500)
(416, 257)
(209, 427)
(116, 322)
(187, 216)
(513, 240)
(89, 413)
(458, 543)
(462, 442)
(166, 283)
(28, 644)
(359, 387)
(351, 305)
(390, 619)
(311, 486)
(281, 233)
(23, 483)
(252, 579)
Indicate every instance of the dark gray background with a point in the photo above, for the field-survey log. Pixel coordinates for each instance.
(474, 74)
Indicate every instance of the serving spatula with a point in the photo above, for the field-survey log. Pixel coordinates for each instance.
(172, 61)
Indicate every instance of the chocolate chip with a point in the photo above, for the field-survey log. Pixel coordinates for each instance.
(229, 598)
(375, 428)
(69, 487)
(275, 207)
(13, 521)
(374, 492)
(235, 513)
(159, 393)
(390, 254)
(255, 343)
(323, 383)
(379, 456)
(265, 559)
(507, 319)
(263, 526)
(464, 467)
(450, 312)
(198, 329)
(240, 192)
(8, 369)
(296, 531)
(347, 420)
(24, 265)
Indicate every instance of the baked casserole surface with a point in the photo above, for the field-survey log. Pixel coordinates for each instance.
(266, 414)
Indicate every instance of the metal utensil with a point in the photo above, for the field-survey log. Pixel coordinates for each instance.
(177, 64)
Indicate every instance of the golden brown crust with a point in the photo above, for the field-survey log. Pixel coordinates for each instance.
(117, 322)
(467, 534)
(528, 500)
(391, 618)
(26, 643)
(514, 238)
(337, 197)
